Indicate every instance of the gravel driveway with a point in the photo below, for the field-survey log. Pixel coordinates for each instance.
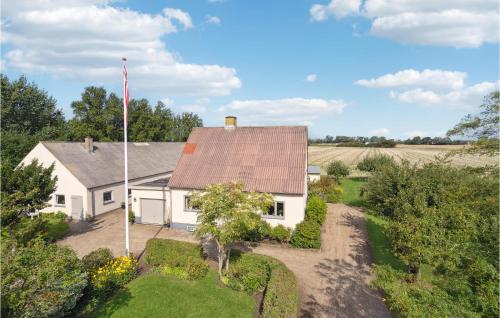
(334, 282)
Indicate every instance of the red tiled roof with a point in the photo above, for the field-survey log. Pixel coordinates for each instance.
(265, 159)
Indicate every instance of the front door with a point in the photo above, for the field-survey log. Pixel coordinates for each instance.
(77, 207)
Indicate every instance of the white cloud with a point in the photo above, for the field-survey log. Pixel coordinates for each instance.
(469, 97)
(86, 41)
(311, 78)
(198, 109)
(283, 111)
(338, 8)
(177, 14)
(432, 88)
(212, 20)
(380, 132)
(438, 79)
(459, 23)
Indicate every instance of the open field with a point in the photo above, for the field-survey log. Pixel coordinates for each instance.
(322, 154)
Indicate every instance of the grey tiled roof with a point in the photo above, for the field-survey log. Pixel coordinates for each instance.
(265, 159)
(106, 166)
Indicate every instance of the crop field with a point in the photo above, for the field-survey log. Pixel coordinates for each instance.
(321, 155)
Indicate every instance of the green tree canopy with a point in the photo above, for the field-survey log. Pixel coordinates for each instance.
(483, 127)
(226, 214)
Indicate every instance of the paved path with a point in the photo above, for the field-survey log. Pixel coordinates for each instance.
(334, 282)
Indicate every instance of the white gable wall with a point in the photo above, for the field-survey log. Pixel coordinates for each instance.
(294, 210)
(67, 183)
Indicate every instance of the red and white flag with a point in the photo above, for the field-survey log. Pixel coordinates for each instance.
(125, 93)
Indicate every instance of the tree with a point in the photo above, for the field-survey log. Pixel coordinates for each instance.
(226, 214)
(483, 127)
(26, 108)
(337, 169)
(40, 280)
(25, 190)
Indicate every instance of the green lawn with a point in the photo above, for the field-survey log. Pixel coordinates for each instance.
(376, 225)
(155, 295)
(352, 190)
(56, 229)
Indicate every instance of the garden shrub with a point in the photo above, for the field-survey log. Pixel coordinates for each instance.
(40, 280)
(170, 252)
(96, 259)
(193, 269)
(316, 209)
(56, 227)
(281, 233)
(247, 272)
(131, 216)
(307, 234)
(326, 188)
(376, 162)
(116, 273)
(281, 298)
(261, 231)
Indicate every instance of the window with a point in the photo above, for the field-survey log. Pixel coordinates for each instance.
(107, 197)
(277, 210)
(129, 193)
(187, 204)
(60, 200)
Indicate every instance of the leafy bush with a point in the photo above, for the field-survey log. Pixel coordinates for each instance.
(40, 280)
(57, 226)
(337, 169)
(259, 232)
(374, 163)
(131, 216)
(307, 234)
(326, 188)
(193, 269)
(316, 209)
(96, 259)
(247, 272)
(410, 298)
(282, 293)
(281, 233)
(114, 274)
(170, 252)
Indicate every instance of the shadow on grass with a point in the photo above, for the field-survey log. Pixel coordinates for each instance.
(380, 243)
(114, 303)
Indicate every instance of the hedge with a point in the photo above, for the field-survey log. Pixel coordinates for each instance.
(307, 234)
(247, 272)
(169, 252)
(316, 209)
(181, 259)
(282, 294)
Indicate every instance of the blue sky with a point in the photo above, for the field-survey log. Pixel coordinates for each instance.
(343, 67)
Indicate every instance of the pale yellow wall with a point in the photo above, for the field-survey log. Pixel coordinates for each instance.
(67, 184)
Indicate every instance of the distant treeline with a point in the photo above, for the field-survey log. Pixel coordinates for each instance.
(382, 142)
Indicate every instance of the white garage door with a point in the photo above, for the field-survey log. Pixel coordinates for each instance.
(152, 211)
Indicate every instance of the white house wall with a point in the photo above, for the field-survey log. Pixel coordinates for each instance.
(294, 210)
(159, 193)
(67, 184)
(118, 194)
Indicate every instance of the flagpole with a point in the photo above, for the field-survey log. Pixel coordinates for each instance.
(125, 115)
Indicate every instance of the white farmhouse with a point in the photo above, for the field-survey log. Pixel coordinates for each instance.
(90, 175)
(266, 159)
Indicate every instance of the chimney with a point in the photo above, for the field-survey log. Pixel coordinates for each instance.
(230, 122)
(89, 144)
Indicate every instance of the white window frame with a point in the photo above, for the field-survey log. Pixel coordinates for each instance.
(186, 208)
(111, 200)
(58, 204)
(275, 215)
